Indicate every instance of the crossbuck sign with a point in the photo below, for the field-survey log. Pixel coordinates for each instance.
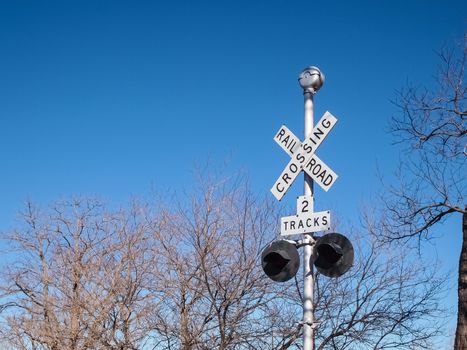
(304, 158)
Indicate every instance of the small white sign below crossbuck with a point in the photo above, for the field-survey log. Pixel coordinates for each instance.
(305, 204)
(305, 223)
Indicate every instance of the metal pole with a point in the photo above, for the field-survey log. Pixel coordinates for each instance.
(308, 316)
(311, 79)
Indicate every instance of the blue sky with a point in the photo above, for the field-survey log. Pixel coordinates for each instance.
(117, 97)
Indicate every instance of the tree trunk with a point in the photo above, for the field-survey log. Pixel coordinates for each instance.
(460, 342)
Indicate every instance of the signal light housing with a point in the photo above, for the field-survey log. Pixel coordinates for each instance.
(333, 254)
(280, 260)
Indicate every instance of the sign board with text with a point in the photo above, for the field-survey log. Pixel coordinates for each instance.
(305, 223)
(303, 157)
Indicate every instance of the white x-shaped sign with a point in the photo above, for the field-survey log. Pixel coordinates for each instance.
(303, 157)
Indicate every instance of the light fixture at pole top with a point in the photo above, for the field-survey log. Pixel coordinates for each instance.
(311, 79)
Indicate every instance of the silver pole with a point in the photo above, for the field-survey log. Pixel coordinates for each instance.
(308, 317)
(311, 79)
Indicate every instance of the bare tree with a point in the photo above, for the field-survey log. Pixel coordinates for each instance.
(75, 281)
(221, 298)
(214, 291)
(188, 276)
(431, 126)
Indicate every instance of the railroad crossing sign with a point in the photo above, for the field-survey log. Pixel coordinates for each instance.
(303, 157)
